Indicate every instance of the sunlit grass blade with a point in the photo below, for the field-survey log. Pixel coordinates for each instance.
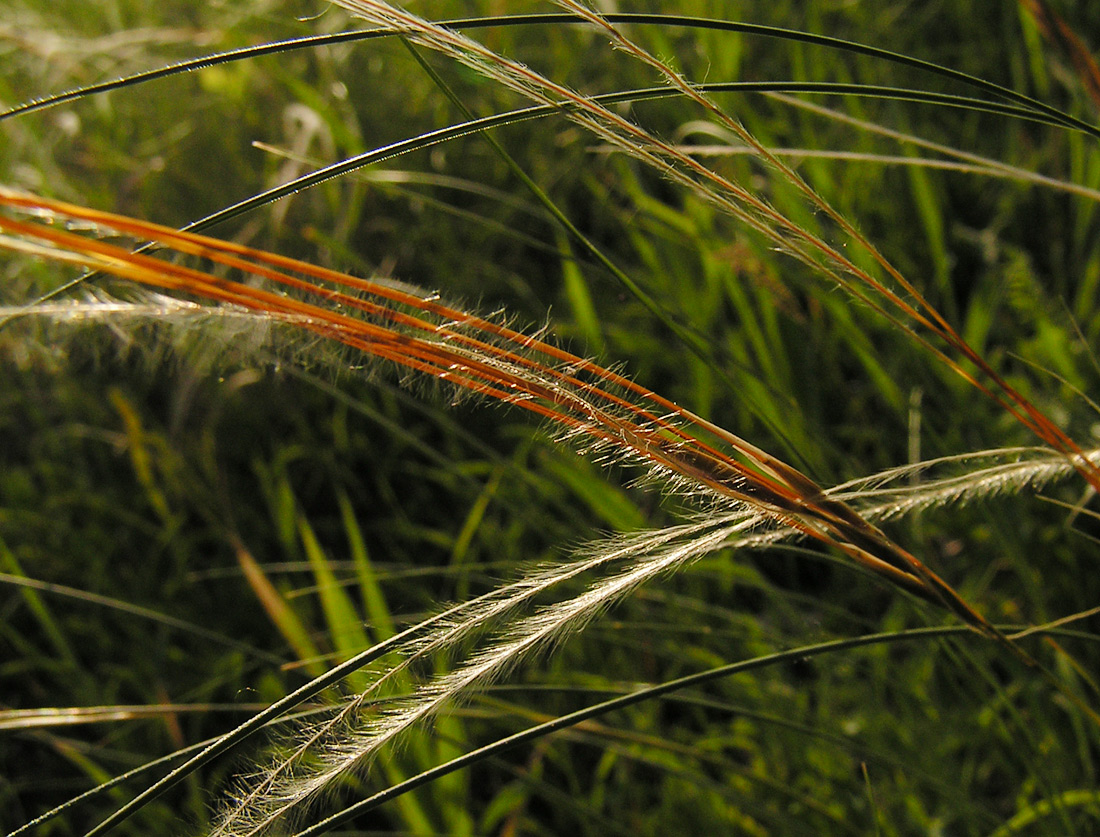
(69, 716)
(282, 615)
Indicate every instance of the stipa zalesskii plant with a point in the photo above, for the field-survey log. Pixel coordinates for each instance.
(752, 498)
(595, 413)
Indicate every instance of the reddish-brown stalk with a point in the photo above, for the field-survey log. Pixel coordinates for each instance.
(920, 310)
(509, 370)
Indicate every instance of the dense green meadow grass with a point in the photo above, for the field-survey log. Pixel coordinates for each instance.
(198, 516)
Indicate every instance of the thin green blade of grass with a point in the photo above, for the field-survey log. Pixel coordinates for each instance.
(343, 623)
(375, 607)
(54, 632)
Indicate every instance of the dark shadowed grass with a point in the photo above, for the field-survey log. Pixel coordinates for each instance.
(275, 492)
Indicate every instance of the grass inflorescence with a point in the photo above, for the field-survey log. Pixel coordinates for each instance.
(845, 379)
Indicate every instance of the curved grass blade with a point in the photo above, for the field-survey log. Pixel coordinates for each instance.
(1026, 102)
(574, 718)
(141, 770)
(995, 168)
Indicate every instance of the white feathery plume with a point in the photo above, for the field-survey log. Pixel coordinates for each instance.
(347, 742)
(1011, 470)
(350, 741)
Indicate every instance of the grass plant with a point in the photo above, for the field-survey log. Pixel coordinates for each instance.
(813, 559)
